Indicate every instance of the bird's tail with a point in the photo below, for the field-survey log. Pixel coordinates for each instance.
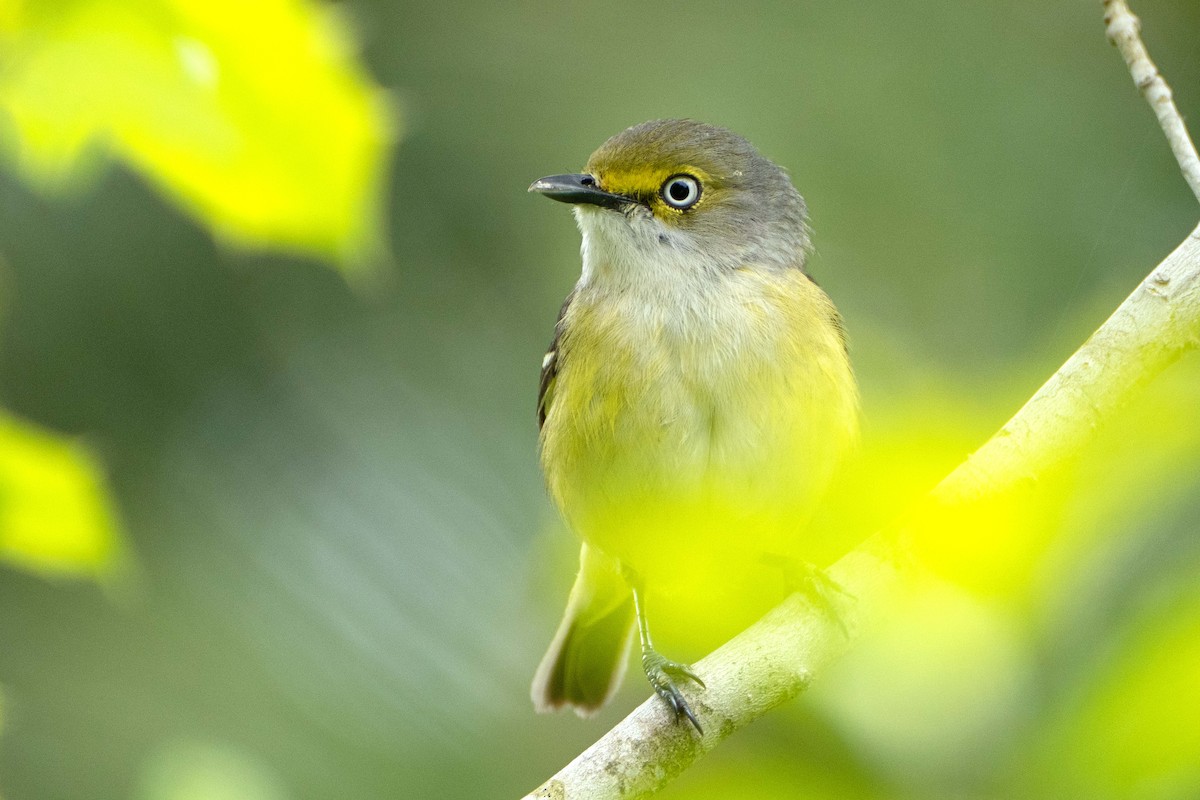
(587, 658)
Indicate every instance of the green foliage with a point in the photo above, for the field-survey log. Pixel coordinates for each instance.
(255, 117)
(55, 518)
(1147, 689)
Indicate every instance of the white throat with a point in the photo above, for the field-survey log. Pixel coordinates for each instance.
(627, 251)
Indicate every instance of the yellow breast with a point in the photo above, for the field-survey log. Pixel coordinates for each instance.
(703, 423)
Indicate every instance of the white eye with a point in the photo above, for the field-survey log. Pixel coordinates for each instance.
(681, 191)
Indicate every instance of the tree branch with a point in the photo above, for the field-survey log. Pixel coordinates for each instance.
(765, 665)
(1123, 30)
(777, 657)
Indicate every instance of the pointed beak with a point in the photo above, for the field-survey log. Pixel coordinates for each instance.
(578, 189)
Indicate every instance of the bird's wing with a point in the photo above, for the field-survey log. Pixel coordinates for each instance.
(550, 367)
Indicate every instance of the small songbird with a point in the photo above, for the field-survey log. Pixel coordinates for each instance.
(696, 398)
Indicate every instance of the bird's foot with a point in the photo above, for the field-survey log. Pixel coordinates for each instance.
(662, 674)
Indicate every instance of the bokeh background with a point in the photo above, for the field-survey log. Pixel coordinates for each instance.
(273, 301)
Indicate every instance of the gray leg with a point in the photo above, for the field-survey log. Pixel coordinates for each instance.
(659, 670)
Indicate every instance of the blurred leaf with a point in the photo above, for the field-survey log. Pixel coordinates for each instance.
(950, 679)
(1134, 734)
(54, 515)
(940, 681)
(255, 117)
(772, 772)
(206, 772)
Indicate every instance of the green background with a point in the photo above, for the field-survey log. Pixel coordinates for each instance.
(343, 566)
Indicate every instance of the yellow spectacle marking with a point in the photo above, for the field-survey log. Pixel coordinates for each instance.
(646, 180)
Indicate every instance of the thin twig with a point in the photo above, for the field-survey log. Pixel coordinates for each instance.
(1124, 31)
(778, 656)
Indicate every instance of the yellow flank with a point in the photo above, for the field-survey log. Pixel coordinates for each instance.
(691, 434)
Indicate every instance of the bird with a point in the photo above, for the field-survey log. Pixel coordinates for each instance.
(696, 399)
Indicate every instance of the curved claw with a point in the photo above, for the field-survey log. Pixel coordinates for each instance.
(683, 671)
(659, 671)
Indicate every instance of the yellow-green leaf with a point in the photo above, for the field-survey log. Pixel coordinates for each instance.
(255, 117)
(55, 517)
(1133, 733)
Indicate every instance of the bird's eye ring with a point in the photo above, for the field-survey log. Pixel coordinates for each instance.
(680, 191)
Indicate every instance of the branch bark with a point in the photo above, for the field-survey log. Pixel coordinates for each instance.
(1124, 31)
(762, 667)
(777, 657)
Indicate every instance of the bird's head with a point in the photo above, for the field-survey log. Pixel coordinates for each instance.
(682, 195)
